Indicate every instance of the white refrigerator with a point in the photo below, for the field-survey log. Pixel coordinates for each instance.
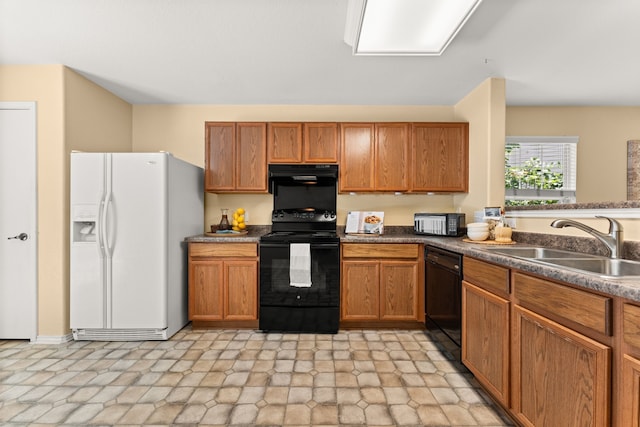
(130, 213)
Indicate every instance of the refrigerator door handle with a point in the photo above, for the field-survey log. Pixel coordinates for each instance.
(108, 195)
(108, 273)
(105, 218)
(101, 227)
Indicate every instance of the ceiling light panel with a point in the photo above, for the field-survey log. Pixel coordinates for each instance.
(405, 27)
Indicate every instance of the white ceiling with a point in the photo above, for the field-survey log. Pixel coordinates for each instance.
(551, 52)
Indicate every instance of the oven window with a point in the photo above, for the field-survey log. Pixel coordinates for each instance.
(275, 288)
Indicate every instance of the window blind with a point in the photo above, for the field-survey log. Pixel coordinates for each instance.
(557, 153)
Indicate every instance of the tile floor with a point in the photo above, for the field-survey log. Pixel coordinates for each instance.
(243, 378)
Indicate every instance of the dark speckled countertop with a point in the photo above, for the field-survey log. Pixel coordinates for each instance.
(625, 288)
(253, 235)
(629, 204)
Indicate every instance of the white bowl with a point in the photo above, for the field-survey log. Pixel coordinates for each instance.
(478, 226)
(477, 235)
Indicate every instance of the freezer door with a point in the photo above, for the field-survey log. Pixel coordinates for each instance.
(136, 221)
(87, 262)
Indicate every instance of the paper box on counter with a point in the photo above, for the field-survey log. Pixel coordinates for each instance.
(363, 222)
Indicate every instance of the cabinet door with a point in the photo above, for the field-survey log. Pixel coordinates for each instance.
(440, 157)
(392, 157)
(485, 339)
(631, 393)
(357, 166)
(206, 279)
(220, 148)
(321, 143)
(241, 293)
(560, 377)
(399, 290)
(284, 143)
(251, 157)
(360, 293)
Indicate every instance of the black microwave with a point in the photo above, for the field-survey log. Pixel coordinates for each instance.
(439, 224)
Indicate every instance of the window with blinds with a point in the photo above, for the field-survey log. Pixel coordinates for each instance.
(540, 170)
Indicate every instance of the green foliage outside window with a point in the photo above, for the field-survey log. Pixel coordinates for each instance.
(533, 174)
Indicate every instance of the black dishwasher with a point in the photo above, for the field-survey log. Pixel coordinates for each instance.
(443, 291)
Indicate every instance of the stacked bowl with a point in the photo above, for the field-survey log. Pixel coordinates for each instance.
(478, 231)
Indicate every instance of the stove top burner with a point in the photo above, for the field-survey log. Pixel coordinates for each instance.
(300, 236)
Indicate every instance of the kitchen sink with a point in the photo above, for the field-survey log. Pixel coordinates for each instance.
(604, 267)
(539, 253)
(612, 268)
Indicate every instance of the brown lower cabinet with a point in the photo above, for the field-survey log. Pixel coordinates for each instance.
(223, 284)
(381, 285)
(485, 339)
(560, 377)
(630, 373)
(542, 349)
(631, 391)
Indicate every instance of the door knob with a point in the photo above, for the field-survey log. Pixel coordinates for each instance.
(21, 236)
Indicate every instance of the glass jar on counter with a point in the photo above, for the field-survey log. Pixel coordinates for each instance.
(224, 220)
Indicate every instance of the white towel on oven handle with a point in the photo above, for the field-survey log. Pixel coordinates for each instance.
(300, 265)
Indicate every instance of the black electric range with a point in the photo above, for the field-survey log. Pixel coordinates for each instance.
(300, 258)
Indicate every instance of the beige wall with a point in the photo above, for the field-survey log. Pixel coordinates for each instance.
(95, 119)
(602, 149)
(180, 130)
(484, 109)
(69, 109)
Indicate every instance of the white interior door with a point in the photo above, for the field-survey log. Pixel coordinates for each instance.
(18, 242)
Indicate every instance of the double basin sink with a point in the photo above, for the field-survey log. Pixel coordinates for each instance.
(609, 268)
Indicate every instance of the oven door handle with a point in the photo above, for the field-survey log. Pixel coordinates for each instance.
(325, 245)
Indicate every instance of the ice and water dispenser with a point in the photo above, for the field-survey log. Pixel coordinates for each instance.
(85, 225)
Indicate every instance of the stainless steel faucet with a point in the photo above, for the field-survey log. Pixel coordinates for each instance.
(614, 240)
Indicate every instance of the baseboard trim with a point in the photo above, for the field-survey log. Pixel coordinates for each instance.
(53, 339)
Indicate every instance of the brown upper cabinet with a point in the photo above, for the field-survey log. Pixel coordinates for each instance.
(302, 143)
(356, 157)
(235, 157)
(440, 157)
(374, 157)
(284, 143)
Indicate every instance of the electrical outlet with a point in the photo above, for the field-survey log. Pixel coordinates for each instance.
(511, 222)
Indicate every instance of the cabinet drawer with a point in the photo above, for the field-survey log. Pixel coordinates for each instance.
(631, 324)
(487, 276)
(380, 250)
(584, 308)
(223, 250)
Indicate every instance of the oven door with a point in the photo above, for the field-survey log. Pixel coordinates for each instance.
(275, 287)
